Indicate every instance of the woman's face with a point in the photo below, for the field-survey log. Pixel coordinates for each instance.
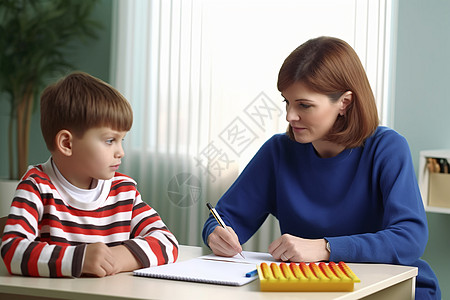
(311, 115)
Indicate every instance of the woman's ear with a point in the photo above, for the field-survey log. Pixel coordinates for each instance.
(345, 101)
(63, 141)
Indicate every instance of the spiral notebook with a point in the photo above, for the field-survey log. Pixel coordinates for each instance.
(210, 269)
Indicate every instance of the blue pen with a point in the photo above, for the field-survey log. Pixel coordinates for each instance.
(252, 273)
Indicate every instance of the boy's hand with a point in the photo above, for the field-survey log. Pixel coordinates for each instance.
(124, 259)
(99, 261)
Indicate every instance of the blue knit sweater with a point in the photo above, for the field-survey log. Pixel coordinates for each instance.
(364, 201)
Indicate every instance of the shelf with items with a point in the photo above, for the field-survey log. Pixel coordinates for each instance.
(434, 180)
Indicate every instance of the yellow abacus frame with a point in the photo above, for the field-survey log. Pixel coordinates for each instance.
(301, 277)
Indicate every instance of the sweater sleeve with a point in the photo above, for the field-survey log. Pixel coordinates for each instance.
(404, 232)
(21, 250)
(246, 204)
(151, 241)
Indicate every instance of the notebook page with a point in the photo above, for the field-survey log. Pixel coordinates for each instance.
(254, 258)
(202, 270)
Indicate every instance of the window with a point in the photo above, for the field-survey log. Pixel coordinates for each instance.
(201, 77)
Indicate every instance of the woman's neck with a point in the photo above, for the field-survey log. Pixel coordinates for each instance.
(326, 149)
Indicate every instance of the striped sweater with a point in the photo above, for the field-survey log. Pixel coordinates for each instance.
(46, 234)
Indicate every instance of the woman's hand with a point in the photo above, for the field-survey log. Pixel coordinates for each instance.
(224, 242)
(296, 249)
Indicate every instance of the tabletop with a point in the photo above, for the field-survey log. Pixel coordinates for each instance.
(375, 278)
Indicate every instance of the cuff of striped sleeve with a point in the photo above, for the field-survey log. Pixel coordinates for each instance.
(138, 253)
(78, 259)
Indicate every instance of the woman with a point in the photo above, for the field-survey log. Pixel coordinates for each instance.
(342, 187)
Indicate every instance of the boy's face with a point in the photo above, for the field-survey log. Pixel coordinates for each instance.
(97, 154)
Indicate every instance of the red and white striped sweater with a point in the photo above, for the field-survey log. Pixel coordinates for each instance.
(46, 235)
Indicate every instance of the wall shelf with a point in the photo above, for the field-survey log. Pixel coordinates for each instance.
(424, 181)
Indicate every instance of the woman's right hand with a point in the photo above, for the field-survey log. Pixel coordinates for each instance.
(224, 242)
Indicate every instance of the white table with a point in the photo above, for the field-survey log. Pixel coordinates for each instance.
(378, 281)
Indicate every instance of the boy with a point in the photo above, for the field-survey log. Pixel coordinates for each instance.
(74, 214)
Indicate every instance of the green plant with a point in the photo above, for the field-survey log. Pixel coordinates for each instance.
(35, 38)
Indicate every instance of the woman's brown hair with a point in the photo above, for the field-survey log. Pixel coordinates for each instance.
(330, 66)
(79, 102)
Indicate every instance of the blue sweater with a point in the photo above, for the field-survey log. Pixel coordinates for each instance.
(364, 201)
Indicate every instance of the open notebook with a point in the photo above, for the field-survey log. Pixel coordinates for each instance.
(210, 269)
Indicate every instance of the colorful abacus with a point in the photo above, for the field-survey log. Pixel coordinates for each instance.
(321, 277)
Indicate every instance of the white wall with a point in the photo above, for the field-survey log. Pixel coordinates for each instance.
(422, 103)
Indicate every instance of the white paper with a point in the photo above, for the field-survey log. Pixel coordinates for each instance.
(254, 258)
(211, 269)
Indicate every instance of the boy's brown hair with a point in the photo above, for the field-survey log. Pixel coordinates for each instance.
(79, 102)
(330, 66)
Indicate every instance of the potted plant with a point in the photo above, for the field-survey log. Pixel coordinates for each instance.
(35, 36)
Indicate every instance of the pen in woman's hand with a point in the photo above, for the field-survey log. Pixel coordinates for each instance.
(219, 219)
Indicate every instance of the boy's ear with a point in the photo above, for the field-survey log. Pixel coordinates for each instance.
(63, 141)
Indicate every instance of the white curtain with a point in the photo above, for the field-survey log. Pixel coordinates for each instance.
(201, 77)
